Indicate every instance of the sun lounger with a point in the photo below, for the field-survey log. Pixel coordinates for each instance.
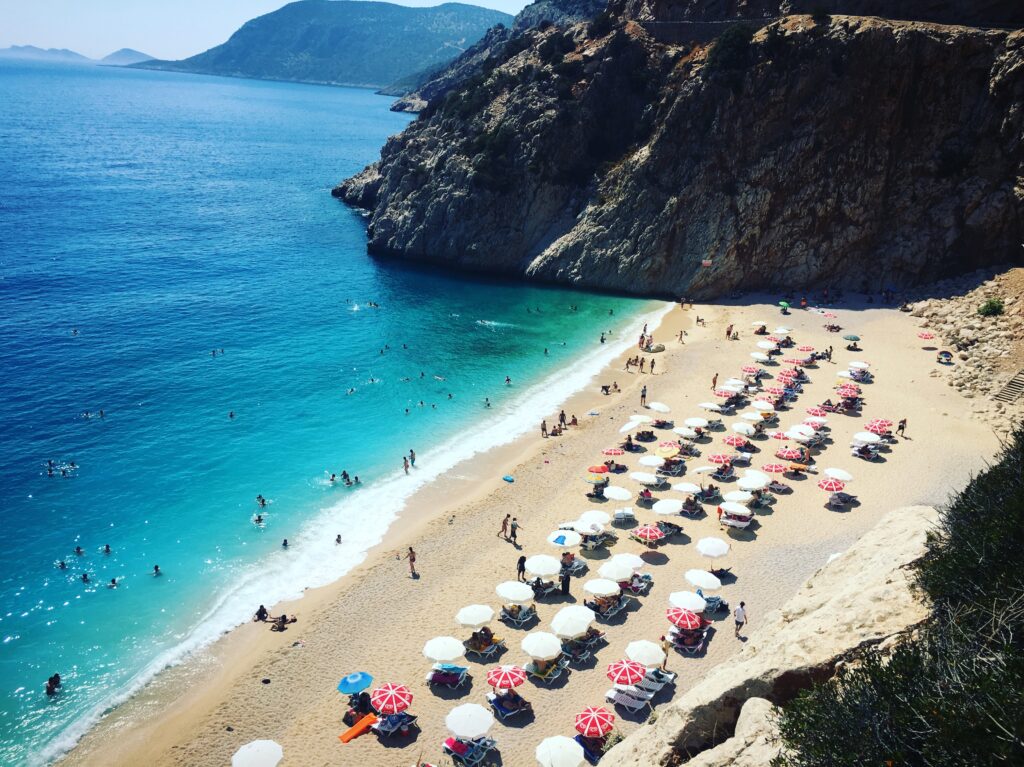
(641, 587)
(591, 756)
(593, 639)
(625, 516)
(714, 603)
(545, 588)
(495, 647)
(526, 614)
(661, 677)
(447, 675)
(554, 671)
(714, 424)
(500, 710)
(577, 567)
(393, 723)
(575, 652)
(629, 703)
(838, 500)
(468, 752)
(634, 692)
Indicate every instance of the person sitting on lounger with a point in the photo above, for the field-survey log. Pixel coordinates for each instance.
(513, 701)
(512, 611)
(567, 559)
(628, 444)
(542, 666)
(691, 506)
(593, 745)
(645, 496)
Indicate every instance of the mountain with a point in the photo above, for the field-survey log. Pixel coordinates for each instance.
(848, 151)
(124, 57)
(43, 54)
(343, 42)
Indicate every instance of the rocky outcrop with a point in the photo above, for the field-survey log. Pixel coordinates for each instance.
(855, 152)
(751, 745)
(561, 13)
(861, 598)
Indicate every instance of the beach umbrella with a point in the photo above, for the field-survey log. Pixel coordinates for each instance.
(768, 345)
(687, 600)
(736, 509)
(788, 453)
(565, 539)
(848, 391)
(645, 478)
(702, 579)
(775, 468)
(560, 751)
(744, 428)
(779, 435)
(851, 337)
(686, 487)
(734, 440)
(750, 369)
(738, 496)
(755, 474)
(475, 616)
(710, 406)
(543, 565)
(651, 460)
(258, 753)
(595, 722)
(713, 548)
(685, 432)
(760, 357)
(595, 517)
(647, 652)
(844, 374)
(858, 365)
(762, 405)
(784, 304)
(598, 468)
(668, 452)
(506, 677)
(775, 391)
(640, 418)
(720, 459)
(878, 426)
(816, 421)
(514, 592)
(684, 619)
(696, 422)
(801, 428)
(596, 479)
(616, 571)
(447, 649)
(359, 681)
(469, 721)
(725, 393)
(793, 361)
(805, 348)
(616, 493)
(752, 417)
(572, 621)
(799, 436)
(602, 587)
(634, 561)
(830, 484)
(841, 474)
(613, 451)
(667, 506)
(817, 412)
(629, 427)
(866, 438)
(659, 407)
(926, 336)
(541, 645)
(626, 672)
(586, 527)
(782, 330)
(705, 470)
(391, 698)
(758, 324)
(648, 534)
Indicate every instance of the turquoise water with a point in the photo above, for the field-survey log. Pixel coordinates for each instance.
(163, 216)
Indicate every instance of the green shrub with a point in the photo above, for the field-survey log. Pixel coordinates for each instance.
(732, 50)
(991, 308)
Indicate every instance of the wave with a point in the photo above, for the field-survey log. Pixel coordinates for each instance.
(493, 324)
(314, 559)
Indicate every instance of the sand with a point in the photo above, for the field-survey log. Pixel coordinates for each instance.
(377, 618)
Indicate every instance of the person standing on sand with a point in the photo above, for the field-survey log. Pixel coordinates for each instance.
(901, 427)
(513, 530)
(652, 367)
(714, 381)
(642, 363)
(561, 418)
(521, 569)
(643, 396)
(544, 428)
(740, 614)
(411, 556)
(504, 526)
(728, 333)
(405, 464)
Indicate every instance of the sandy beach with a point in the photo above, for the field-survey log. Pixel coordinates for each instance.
(255, 683)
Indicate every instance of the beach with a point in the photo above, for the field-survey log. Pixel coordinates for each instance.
(255, 683)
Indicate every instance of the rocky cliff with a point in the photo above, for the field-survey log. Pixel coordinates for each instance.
(848, 151)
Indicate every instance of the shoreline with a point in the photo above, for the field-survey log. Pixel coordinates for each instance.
(160, 723)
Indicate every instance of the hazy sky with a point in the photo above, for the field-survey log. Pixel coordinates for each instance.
(166, 29)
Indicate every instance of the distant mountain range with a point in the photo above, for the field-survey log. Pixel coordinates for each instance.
(343, 42)
(31, 52)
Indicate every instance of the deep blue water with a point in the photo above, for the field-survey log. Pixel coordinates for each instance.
(162, 216)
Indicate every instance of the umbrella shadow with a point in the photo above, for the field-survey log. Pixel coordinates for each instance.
(595, 554)
(552, 684)
(519, 721)
(444, 692)
(655, 558)
(679, 538)
(400, 740)
(748, 534)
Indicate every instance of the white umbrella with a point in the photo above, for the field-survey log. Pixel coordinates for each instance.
(758, 324)
(686, 487)
(737, 496)
(750, 484)
(762, 405)
(635, 561)
(736, 508)
(616, 571)
(586, 527)
(705, 470)
(646, 652)
(841, 474)
(685, 432)
(866, 438)
(782, 329)
(752, 417)
(560, 751)
(744, 428)
(259, 753)
(766, 345)
(667, 506)
(447, 649)
(858, 365)
(844, 374)
(475, 616)
(702, 579)
(469, 721)
(572, 621)
(543, 565)
(802, 428)
(736, 382)
(540, 645)
(696, 423)
(640, 418)
(595, 517)
(515, 592)
(799, 436)
(629, 427)
(760, 356)
(713, 548)
(766, 478)
(645, 478)
(736, 387)
(601, 587)
(564, 539)
(710, 406)
(687, 600)
(616, 493)
(659, 407)
(652, 461)
(816, 419)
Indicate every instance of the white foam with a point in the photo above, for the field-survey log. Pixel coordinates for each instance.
(362, 518)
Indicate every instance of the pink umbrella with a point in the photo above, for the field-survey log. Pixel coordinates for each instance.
(830, 485)
(669, 443)
(648, 533)
(734, 440)
(817, 412)
(775, 339)
(506, 677)
(626, 672)
(793, 361)
(595, 721)
(846, 391)
(787, 453)
(684, 619)
(391, 698)
(751, 369)
(719, 458)
(776, 391)
(786, 375)
(805, 348)
(724, 393)
(878, 426)
(775, 468)
(814, 424)
(926, 336)
(779, 435)
(613, 451)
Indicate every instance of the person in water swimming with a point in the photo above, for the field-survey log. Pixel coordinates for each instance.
(284, 544)
(112, 584)
(337, 538)
(79, 551)
(53, 685)
(156, 570)
(85, 577)
(106, 548)
(62, 565)
(259, 519)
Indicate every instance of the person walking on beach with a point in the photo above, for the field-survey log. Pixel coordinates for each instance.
(643, 396)
(561, 418)
(901, 427)
(740, 614)
(412, 457)
(411, 556)
(544, 428)
(521, 569)
(728, 333)
(714, 381)
(642, 363)
(828, 354)
(405, 464)
(504, 526)
(652, 367)
(513, 530)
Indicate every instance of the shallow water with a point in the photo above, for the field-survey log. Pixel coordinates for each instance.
(162, 216)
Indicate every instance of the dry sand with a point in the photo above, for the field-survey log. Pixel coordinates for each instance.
(377, 619)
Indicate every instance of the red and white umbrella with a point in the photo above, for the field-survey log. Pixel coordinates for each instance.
(775, 468)
(613, 451)
(774, 339)
(391, 698)
(506, 677)
(830, 484)
(649, 533)
(724, 393)
(814, 424)
(788, 453)
(684, 619)
(750, 369)
(848, 391)
(719, 458)
(626, 672)
(595, 722)
(878, 426)
(776, 391)
(805, 348)
(925, 336)
(734, 440)
(779, 435)
(599, 468)
(669, 443)
(817, 412)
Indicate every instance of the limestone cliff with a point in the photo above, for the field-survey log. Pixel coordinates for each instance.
(852, 151)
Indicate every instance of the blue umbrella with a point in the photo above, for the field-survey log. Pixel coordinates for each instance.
(354, 683)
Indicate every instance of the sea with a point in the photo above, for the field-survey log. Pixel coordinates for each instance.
(171, 257)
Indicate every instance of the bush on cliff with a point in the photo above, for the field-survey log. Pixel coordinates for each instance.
(952, 694)
(731, 50)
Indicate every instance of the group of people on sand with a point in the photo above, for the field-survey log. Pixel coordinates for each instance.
(348, 480)
(280, 623)
(559, 428)
(639, 362)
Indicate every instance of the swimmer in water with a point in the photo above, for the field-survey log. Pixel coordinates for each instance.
(79, 551)
(332, 479)
(156, 570)
(259, 519)
(337, 539)
(112, 584)
(85, 577)
(508, 381)
(106, 548)
(449, 395)
(62, 565)
(355, 480)
(231, 414)
(284, 544)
